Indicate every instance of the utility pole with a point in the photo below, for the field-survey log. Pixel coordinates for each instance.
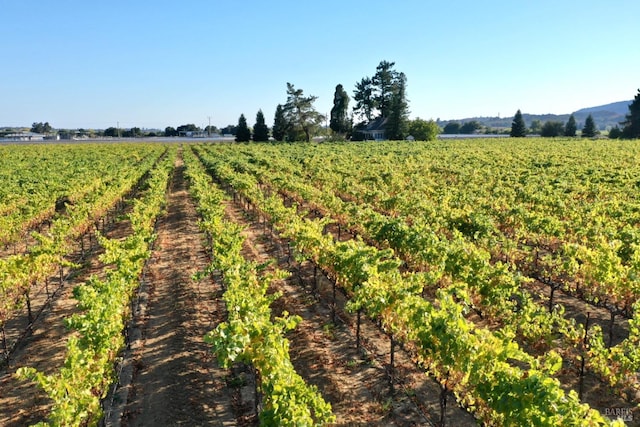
(209, 128)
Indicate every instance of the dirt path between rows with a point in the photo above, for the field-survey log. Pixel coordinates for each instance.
(175, 379)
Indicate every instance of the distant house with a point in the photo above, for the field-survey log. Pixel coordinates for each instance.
(192, 133)
(375, 130)
(24, 136)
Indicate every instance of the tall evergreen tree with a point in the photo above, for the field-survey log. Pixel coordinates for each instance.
(280, 125)
(398, 110)
(363, 95)
(615, 132)
(340, 122)
(375, 94)
(383, 96)
(243, 134)
(632, 123)
(260, 130)
(300, 113)
(571, 127)
(589, 130)
(518, 128)
(385, 81)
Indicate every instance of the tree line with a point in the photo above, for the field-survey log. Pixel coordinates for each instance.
(552, 128)
(630, 126)
(381, 98)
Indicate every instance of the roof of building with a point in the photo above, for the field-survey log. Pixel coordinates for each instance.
(378, 124)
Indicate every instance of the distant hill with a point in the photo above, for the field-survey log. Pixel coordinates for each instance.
(605, 116)
(621, 108)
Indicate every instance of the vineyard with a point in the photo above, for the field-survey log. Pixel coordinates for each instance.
(479, 282)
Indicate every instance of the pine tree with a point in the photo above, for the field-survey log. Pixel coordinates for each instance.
(300, 114)
(243, 134)
(385, 81)
(397, 120)
(280, 125)
(375, 94)
(518, 128)
(589, 130)
(363, 95)
(260, 130)
(571, 128)
(632, 123)
(615, 133)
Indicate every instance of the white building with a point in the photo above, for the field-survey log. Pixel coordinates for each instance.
(24, 136)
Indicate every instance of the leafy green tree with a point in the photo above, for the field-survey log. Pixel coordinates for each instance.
(187, 128)
(229, 130)
(536, 127)
(280, 125)
(571, 127)
(340, 122)
(518, 128)
(260, 130)
(41, 127)
(470, 127)
(398, 110)
(423, 130)
(632, 120)
(451, 128)
(243, 133)
(589, 130)
(552, 129)
(170, 131)
(209, 129)
(111, 131)
(302, 117)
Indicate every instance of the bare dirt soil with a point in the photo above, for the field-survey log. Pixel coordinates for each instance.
(175, 379)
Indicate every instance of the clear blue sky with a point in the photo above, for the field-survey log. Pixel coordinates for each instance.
(166, 63)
